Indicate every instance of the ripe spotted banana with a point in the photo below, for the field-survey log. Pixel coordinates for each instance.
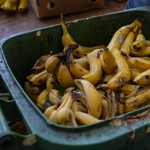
(40, 78)
(108, 61)
(138, 63)
(123, 73)
(83, 118)
(145, 52)
(92, 96)
(39, 65)
(95, 72)
(134, 73)
(64, 76)
(129, 40)
(143, 78)
(67, 39)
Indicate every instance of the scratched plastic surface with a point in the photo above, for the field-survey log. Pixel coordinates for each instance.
(20, 51)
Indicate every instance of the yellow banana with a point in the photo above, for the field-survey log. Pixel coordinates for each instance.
(2, 1)
(8, 4)
(128, 87)
(145, 52)
(28, 78)
(64, 76)
(65, 115)
(95, 72)
(75, 68)
(14, 8)
(140, 43)
(111, 104)
(49, 111)
(41, 97)
(52, 63)
(136, 90)
(50, 79)
(108, 77)
(119, 36)
(54, 96)
(147, 43)
(93, 98)
(123, 73)
(67, 39)
(83, 62)
(39, 65)
(27, 85)
(134, 73)
(39, 78)
(129, 40)
(108, 61)
(146, 58)
(138, 63)
(82, 117)
(143, 78)
(22, 5)
(137, 100)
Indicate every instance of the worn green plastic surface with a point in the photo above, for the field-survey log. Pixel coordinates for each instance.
(19, 53)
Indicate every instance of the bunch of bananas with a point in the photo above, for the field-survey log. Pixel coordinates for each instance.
(13, 5)
(99, 82)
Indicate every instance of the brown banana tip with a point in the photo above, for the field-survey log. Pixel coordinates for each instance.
(134, 46)
(133, 82)
(105, 82)
(140, 20)
(106, 49)
(62, 17)
(98, 87)
(31, 83)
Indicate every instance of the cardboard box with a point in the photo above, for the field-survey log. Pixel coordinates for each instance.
(49, 8)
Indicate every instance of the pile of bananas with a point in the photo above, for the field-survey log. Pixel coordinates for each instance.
(13, 5)
(98, 82)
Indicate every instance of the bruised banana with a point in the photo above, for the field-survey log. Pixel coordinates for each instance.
(50, 79)
(107, 60)
(83, 118)
(54, 96)
(120, 35)
(111, 104)
(39, 65)
(64, 76)
(27, 85)
(67, 39)
(145, 52)
(52, 63)
(105, 106)
(40, 78)
(129, 40)
(138, 63)
(75, 68)
(143, 78)
(123, 73)
(140, 43)
(95, 73)
(92, 96)
(36, 89)
(136, 101)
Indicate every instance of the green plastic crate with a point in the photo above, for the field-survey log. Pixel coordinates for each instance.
(18, 54)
